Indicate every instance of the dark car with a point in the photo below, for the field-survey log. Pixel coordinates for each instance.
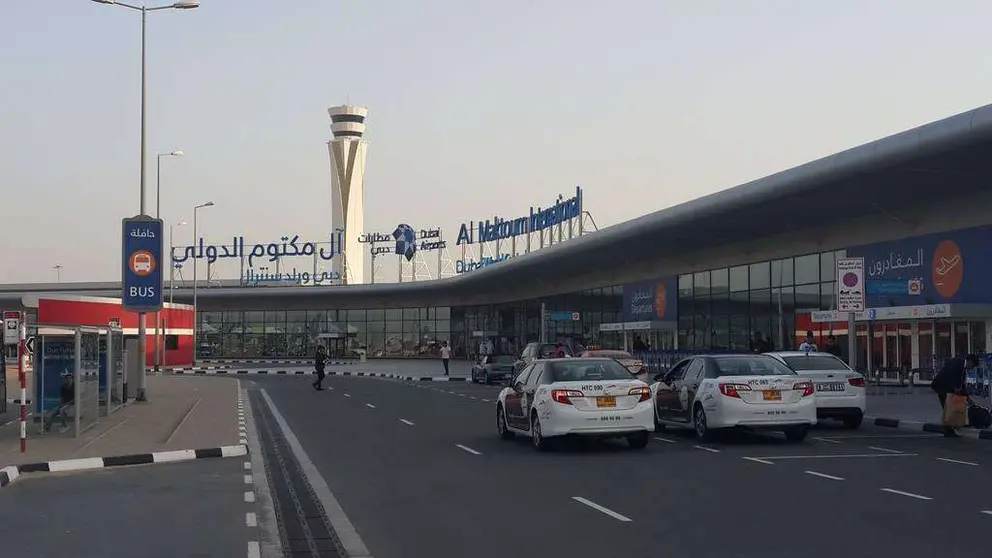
(537, 351)
(493, 368)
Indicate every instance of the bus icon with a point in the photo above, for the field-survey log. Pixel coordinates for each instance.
(142, 263)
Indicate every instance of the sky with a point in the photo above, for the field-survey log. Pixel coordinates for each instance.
(476, 108)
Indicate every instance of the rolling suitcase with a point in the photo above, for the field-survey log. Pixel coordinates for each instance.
(979, 417)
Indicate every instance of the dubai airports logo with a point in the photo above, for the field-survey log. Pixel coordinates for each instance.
(660, 300)
(948, 268)
(406, 241)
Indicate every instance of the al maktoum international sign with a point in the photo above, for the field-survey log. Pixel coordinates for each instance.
(539, 219)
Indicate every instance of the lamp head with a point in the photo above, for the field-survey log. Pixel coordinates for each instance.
(178, 153)
(186, 4)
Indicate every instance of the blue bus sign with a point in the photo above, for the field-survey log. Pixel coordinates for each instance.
(143, 264)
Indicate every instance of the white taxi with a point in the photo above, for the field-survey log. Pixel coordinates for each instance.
(712, 392)
(840, 391)
(575, 396)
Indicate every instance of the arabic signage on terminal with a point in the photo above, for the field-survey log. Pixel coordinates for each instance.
(141, 269)
(498, 228)
(936, 268)
(404, 241)
(651, 300)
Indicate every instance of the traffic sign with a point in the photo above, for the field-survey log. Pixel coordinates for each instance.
(141, 276)
(29, 345)
(11, 328)
(115, 322)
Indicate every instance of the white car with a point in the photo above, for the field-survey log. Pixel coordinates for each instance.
(713, 392)
(840, 391)
(575, 396)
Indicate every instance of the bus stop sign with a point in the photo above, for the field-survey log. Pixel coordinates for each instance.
(141, 270)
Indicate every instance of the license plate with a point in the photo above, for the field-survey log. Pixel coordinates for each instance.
(830, 386)
(771, 395)
(609, 401)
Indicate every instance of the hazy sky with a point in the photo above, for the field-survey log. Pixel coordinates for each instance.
(476, 107)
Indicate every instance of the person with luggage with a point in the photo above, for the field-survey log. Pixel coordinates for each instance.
(951, 380)
(319, 361)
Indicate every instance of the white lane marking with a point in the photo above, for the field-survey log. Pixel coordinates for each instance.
(973, 464)
(827, 440)
(666, 440)
(486, 401)
(772, 457)
(461, 395)
(758, 460)
(888, 436)
(343, 527)
(404, 421)
(987, 512)
(253, 550)
(251, 520)
(247, 465)
(347, 395)
(601, 509)
(823, 475)
(249, 497)
(876, 448)
(370, 406)
(248, 479)
(711, 450)
(468, 449)
(909, 494)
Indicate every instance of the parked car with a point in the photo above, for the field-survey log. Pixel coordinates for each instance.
(636, 366)
(536, 351)
(840, 391)
(712, 392)
(493, 368)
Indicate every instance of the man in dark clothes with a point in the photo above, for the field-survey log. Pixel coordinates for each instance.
(832, 347)
(319, 361)
(952, 379)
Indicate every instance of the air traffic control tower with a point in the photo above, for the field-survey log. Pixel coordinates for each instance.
(347, 150)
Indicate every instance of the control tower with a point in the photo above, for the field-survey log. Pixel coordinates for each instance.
(347, 150)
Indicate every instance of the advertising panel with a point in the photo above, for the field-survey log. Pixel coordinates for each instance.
(651, 301)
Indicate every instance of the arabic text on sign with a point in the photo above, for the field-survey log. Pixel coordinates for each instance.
(289, 247)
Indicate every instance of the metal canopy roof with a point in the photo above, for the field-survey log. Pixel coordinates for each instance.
(922, 166)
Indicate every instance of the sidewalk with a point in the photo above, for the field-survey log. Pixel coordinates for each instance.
(919, 406)
(182, 413)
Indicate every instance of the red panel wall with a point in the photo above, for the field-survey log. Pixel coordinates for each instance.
(98, 313)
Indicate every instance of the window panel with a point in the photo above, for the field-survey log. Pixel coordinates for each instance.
(759, 275)
(807, 269)
(738, 279)
(719, 281)
(782, 272)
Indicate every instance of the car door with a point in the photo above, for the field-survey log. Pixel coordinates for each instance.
(687, 388)
(512, 401)
(529, 389)
(665, 397)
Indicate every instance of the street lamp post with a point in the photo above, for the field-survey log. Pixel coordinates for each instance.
(196, 318)
(172, 287)
(58, 273)
(159, 345)
(178, 5)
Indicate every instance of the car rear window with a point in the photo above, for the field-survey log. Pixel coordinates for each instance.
(752, 365)
(588, 371)
(815, 362)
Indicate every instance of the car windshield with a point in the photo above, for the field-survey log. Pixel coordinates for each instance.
(815, 362)
(610, 354)
(751, 365)
(501, 359)
(588, 370)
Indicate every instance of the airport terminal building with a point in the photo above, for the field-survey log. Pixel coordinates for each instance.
(711, 274)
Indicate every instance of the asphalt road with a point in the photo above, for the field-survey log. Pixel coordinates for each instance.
(420, 471)
(190, 509)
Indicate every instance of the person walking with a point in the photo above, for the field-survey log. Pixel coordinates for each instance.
(445, 356)
(952, 380)
(319, 361)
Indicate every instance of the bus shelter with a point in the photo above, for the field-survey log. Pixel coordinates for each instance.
(78, 377)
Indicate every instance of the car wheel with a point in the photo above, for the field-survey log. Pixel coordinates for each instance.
(853, 422)
(700, 425)
(504, 431)
(796, 433)
(639, 440)
(537, 438)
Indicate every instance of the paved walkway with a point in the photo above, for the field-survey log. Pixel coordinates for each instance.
(182, 413)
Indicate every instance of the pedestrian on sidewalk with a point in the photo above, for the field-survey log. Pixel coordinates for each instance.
(445, 356)
(319, 361)
(952, 380)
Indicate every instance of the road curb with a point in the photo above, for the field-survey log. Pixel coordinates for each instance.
(936, 428)
(234, 363)
(301, 372)
(10, 473)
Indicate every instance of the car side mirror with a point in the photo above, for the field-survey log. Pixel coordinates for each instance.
(517, 387)
(659, 377)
